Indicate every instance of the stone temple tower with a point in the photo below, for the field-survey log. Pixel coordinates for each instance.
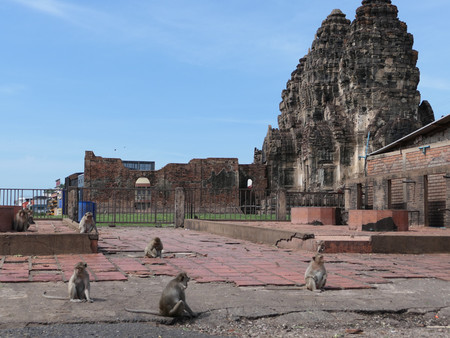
(358, 78)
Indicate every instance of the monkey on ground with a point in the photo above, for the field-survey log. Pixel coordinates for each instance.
(87, 223)
(173, 299)
(21, 222)
(154, 248)
(316, 274)
(79, 285)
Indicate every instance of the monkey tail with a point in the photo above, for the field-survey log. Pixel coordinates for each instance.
(52, 297)
(149, 312)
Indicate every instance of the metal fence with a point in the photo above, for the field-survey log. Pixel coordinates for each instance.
(315, 199)
(249, 204)
(45, 203)
(122, 206)
(155, 206)
(230, 204)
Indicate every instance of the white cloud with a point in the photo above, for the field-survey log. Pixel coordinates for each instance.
(51, 7)
(68, 12)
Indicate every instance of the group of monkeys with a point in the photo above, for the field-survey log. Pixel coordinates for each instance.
(173, 298)
(23, 220)
(172, 302)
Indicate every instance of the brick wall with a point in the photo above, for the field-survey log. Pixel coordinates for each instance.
(397, 199)
(382, 164)
(434, 156)
(409, 169)
(211, 175)
(407, 160)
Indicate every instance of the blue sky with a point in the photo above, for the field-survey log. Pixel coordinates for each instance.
(165, 80)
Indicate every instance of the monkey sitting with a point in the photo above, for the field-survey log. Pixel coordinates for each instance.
(316, 274)
(87, 223)
(79, 285)
(21, 222)
(154, 248)
(173, 299)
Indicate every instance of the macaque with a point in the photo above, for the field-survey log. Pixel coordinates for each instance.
(316, 274)
(87, 223)
(173, 299)
(154, 248)
(79, 285)
(21, 222)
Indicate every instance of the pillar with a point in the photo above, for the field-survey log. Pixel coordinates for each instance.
(380, 194)
(179, 207)
(281, 205)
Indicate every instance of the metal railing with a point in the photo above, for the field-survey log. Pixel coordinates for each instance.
(155, 206)
(315, 199)
(230, 204)
(122, 206)
(45, 203)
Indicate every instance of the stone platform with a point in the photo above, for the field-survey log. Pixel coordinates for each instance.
(209, 258)
(333, 239)
(47, 237)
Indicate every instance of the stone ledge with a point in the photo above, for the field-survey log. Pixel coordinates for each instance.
(25, 243)
(331, 238)
(245, 232)
(385, 243)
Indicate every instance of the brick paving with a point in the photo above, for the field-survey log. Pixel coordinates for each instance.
(210, 258)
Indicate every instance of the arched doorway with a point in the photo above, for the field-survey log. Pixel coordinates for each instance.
(142, 198)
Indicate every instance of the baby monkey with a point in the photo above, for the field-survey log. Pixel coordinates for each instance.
(79, 285)
(154, 248)
(173, 299)
(316, 274)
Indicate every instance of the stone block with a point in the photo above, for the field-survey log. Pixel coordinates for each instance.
(313, 215)
(378, 220)
(7, 213)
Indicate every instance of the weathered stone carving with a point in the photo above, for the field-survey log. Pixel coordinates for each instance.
(358, 77)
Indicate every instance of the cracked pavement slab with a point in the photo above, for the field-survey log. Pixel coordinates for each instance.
(427, 301)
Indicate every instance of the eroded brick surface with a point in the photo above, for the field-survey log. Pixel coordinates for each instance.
(209, 258)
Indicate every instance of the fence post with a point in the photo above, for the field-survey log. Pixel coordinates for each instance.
(73, 204)
(179, 207)
(281, 205)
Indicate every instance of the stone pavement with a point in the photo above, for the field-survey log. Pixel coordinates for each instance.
(210, 258)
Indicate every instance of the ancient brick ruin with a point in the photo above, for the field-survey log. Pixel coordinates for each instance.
(358, 78)
(209, 173)
(205, 180)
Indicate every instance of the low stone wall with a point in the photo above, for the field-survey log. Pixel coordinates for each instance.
(410, 244)
(246, 232)
(25, 243)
